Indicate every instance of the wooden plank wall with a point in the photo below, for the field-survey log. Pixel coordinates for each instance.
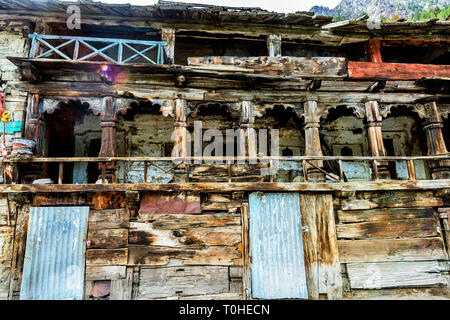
(391, 240)
(190, 256)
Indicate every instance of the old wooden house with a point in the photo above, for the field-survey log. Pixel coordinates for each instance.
(338, 182)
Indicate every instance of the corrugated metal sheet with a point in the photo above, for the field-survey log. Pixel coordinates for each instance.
(55, 254)
(278, 268)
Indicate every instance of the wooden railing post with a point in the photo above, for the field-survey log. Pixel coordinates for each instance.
(435, 141)
(375, 139)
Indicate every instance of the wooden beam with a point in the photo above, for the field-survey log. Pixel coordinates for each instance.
(373, 51)
(234, 186)
(168, 35)
(395, 71)
(303, 67)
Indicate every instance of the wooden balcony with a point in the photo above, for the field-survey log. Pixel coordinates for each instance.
(119, 51)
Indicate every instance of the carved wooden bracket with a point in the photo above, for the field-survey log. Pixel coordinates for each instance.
(234, 109)
(260, 110)
(357, 108)
(424, 111)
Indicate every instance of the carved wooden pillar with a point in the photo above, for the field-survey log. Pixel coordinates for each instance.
(435, 141)
(274, 45)
(168, 35)
(180, 143)
(375, 139)
(247, 130)
(34, 130)
(33, 123)
(312, 140)
(108, 148)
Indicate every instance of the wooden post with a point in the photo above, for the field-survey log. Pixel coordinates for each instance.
(375, 139)
(180, 131)
(246, 258)
(108, 146)
(312, 141)
(435, 141)
(411, 170)
(33, 124)
(180, 139)
(274, 45)
(61, 173)
(247, 128)
(168, 35)
(373, 50)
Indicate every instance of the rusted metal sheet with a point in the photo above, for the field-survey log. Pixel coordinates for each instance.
(161, 202)
(278, 268)
(55, 254)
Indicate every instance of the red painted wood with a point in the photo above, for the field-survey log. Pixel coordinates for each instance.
(395, 71)
(373, 51)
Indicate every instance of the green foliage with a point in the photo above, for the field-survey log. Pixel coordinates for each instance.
(433, 13)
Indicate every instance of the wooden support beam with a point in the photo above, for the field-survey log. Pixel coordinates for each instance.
(274, 45)
(373, 50)
(391, 185)
(395, 71)
(375, 136)
(248, 145)
(312, 140)
(33, 123)
(246, 254)
(108, 146)
(435, 141)
(168, 35)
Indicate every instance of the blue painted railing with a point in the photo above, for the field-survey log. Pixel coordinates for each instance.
(39, 40)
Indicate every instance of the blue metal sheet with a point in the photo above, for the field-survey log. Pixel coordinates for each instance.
(278, 268)
(55, 254)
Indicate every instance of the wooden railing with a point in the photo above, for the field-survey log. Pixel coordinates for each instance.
(270, 162)
(87, 48)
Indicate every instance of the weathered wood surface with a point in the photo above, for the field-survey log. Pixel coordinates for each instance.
(246, 253)
(18, 255)
(396, 274)
(243, 186)
(5, 277)
(392, 200)
(439, 293)
(160, 256)
(383, 214)
(310, 244)
(108, 238)
(395, 71)
(121, 289)
(105, 272)
(170, 281)
(6, 217)
(146, 234)
(108, 219)
(373, 250)
(6, 246)
(412, 228)
(282, 66)
(180, 221)
(86, 89)
(330, 279)
(106, 257)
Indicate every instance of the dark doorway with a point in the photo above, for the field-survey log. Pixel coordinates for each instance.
(92, 169)
(59, 138)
